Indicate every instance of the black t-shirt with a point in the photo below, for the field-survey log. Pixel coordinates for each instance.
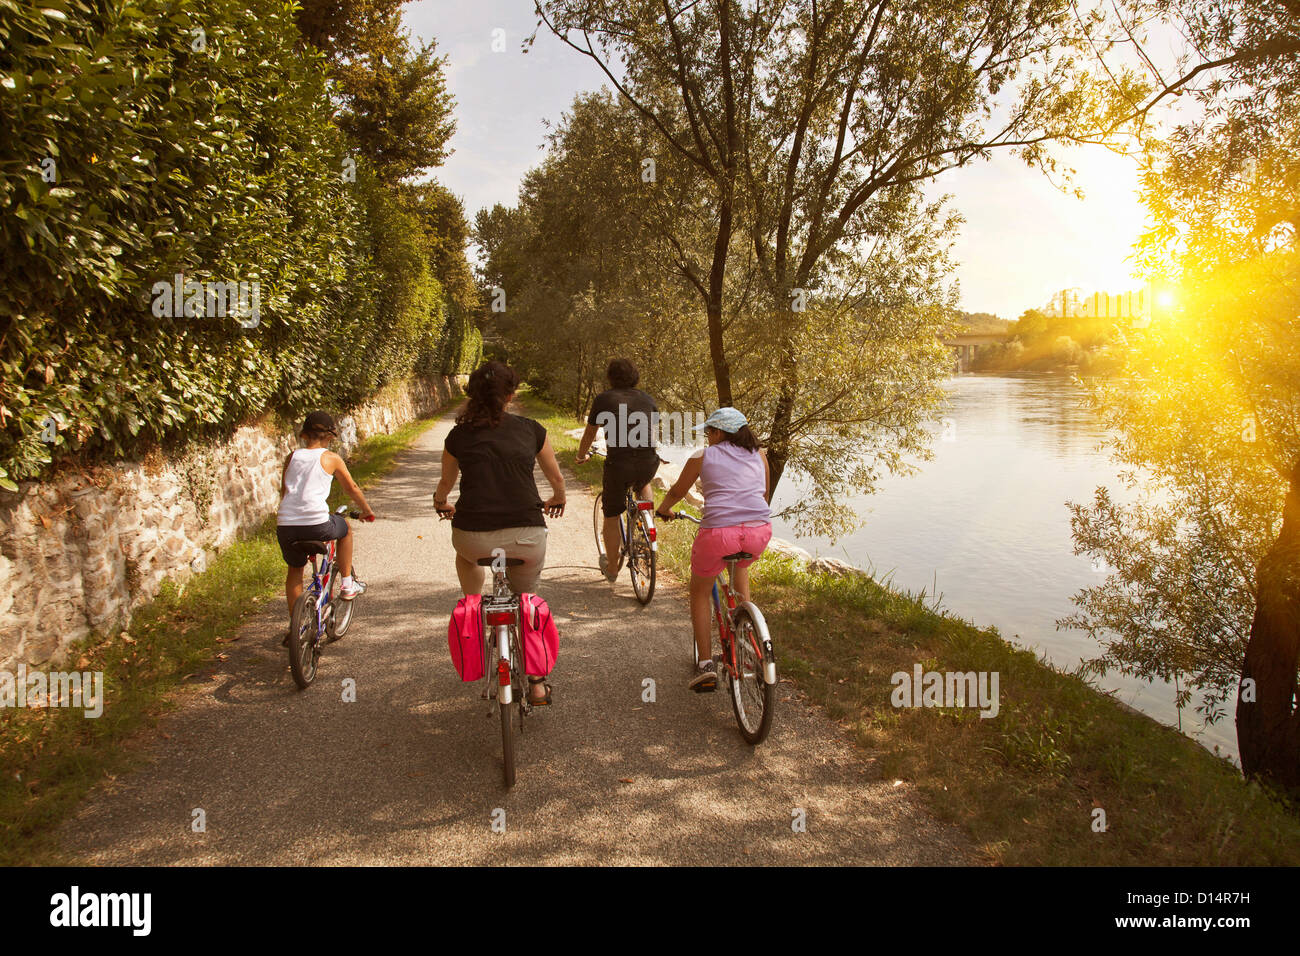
(497, 489)
(630, 418)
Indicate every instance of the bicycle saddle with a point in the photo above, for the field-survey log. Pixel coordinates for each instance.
(312, 547)
(510, 562)
(738, 556)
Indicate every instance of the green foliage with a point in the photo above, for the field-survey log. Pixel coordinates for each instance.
(1206, 407)
(192, 138)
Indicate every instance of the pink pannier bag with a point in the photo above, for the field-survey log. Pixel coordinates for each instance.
(541, 636)
(465, 637)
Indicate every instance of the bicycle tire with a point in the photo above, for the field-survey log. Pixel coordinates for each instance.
(343, 610)
(304, 652)
(751, 696)
(640, 553)
(507, 736)
(598, 525)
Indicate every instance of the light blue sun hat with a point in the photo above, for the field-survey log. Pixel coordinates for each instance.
(727, 419)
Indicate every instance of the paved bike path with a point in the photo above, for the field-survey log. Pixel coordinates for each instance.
(410, 773)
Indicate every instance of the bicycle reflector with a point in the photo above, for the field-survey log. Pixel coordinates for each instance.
(500, 617)
(646, 505)
(503, 673)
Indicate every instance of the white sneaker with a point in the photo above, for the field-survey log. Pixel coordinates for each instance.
(350, 591)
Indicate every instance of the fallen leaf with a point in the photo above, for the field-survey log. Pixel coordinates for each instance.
(420, 536)
(625, 780)
(128, 639)
(223, 657)
(417, 773)
(44, 520)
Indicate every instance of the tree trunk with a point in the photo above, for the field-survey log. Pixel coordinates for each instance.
(717, 275)
(1268, 727)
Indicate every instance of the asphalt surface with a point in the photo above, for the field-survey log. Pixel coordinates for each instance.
(410, 773)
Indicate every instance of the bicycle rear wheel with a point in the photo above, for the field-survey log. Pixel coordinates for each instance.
(751, 696)
(505, 711)
(598, 523)
(641, 562)
(304, 652)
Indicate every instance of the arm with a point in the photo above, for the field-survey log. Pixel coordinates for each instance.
(284, 471)
(336, 467)
(584, 446)
(690, 474)
(767, 477)
(450, 472)
(554, 506)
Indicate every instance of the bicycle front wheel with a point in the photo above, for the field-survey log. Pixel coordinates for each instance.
(303, 649)
(751, 696)
(342, 617)
(641, 562)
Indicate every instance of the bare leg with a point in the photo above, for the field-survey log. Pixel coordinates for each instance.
(293, 587)
(613, 538)
(343, 554)
(470, 574)
(702, 615)
(740, 584)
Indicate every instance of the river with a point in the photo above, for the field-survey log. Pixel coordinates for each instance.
(985, 522)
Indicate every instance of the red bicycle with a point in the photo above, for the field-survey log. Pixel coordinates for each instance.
(746, 654)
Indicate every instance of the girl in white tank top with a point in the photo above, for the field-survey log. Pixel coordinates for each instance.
(306, 490)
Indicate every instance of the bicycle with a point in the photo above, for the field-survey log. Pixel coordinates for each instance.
(502, 623)
(640, 547)
(745, 652)
(320, 616)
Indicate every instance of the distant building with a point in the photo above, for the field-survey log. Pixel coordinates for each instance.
(1074, 303)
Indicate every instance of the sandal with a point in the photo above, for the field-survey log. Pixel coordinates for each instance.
(544, 701)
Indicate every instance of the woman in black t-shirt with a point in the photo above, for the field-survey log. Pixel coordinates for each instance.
(499, 507)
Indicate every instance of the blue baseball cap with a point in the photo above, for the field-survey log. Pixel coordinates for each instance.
(727, 419)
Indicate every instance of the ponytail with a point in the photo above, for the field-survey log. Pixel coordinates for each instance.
(488, 389)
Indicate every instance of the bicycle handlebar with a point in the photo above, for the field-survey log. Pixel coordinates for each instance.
(354, 515)
(681, 514)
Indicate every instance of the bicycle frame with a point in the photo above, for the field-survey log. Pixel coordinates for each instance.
(633, 508)
(320, 586)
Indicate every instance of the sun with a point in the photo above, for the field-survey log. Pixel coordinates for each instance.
(1166, 299)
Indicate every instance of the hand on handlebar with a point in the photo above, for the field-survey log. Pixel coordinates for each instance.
(446, 511)
(554, 507)
(582, 459)
(666, 515)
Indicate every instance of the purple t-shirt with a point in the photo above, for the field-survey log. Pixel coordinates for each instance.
(734, 482)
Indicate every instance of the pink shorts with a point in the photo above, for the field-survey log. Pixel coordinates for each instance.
(713, 544)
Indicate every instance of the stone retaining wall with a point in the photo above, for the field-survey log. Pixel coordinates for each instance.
(80, 552)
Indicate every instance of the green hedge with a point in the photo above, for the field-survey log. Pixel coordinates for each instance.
(191, 137)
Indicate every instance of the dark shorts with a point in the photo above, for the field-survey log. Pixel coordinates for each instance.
(619, 476)
(333, 530)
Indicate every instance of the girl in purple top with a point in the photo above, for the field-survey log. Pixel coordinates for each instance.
(732, 470)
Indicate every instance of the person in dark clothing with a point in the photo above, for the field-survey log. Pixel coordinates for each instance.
(629, 418)
(493, 452)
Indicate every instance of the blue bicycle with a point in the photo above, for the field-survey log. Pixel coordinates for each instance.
(320, 616)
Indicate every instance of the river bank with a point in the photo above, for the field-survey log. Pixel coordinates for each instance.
(1062, 775)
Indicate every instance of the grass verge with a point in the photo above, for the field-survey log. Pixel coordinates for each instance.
(51, 757)
(1026, 785)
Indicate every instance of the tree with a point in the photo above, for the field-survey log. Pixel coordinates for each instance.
(1206, 565)
(813, 124)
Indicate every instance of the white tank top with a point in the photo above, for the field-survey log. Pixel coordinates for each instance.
(306, 490)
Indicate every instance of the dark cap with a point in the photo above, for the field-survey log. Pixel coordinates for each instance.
(319, 421)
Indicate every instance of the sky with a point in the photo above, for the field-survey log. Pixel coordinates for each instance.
(1023, 238)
